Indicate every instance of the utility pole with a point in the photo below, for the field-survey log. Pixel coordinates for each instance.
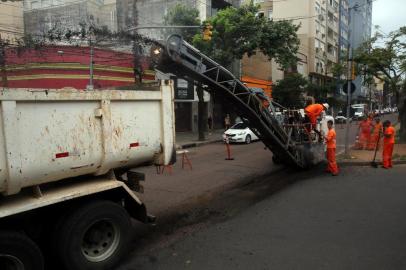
(90, 86)
(137, 69)
(349, 81)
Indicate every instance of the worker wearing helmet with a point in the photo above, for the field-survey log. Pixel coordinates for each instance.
(313, 111)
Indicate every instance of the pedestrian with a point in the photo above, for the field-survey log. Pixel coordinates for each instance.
(388, 143)
(210, 122)
(331, 149)
(375, 135)
(227, 121)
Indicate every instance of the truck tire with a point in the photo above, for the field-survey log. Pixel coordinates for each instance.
(17, 251)
(93, 236)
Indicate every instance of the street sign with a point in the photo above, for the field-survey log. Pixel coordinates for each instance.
(345, 88)
(184, 90)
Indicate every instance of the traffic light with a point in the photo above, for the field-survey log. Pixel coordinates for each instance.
(207, 31)
(353, 76)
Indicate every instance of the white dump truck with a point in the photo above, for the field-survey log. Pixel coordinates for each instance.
(67, 177)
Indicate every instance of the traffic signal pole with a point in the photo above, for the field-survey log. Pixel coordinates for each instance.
(349, 81)
(349, 94)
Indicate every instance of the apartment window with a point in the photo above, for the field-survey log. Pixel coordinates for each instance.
(331, 50)
(258, 1)
(317, 8)
(270, 14)
(317, 43)
(260, 14)
(319, 46)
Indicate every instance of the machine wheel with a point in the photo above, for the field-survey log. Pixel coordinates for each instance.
(18, 252)
(94, 236)
(248, 139)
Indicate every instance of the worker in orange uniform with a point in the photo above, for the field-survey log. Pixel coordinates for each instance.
(388, 143)
(364, 131)
(313, 111)
(375, 135)
(331, 149)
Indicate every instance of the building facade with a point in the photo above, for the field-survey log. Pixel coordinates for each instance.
(322, 33)
(152, 13)
(11, 20)
(57, 67)
(360, 31)
(42, 15)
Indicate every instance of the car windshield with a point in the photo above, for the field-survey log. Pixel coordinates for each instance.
(239, 126)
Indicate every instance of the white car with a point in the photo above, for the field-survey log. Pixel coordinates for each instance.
(341, 119)
(240, 132)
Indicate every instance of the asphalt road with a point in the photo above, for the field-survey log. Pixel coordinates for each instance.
(291, 221)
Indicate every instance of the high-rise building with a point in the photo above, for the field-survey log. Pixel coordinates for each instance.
(360, 31)
(11, 20)
(321, 32)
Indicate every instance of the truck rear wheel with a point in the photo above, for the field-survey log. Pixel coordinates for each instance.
(18, 252)
(95, 236)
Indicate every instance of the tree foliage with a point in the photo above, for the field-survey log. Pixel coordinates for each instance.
(238, 31)
(290, 90)
(387, 62)
(182, 14)
(384, 56)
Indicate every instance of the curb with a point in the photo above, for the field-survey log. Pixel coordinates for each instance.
(197, 144)
(368, 163)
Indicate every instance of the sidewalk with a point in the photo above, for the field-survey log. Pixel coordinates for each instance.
(364, 157)
(190, 139)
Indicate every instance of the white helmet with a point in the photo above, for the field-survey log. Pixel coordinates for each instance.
(325, 105)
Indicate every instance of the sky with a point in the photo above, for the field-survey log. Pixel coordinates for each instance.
(389, 14)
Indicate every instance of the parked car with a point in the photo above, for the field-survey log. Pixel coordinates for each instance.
(341, 119)
(240, 132)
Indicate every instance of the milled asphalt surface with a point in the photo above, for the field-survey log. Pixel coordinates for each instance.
(354, 221)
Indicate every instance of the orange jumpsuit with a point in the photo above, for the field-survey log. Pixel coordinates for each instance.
(364, 134)
(388, 143)
(331, 152)
(313, 111)
(375, 136)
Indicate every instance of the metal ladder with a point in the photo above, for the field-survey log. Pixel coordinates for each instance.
(183, 60)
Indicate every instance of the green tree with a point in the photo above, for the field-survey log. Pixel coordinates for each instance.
(384, 56)
(181, 14)
(290, 90)
(238, 31)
